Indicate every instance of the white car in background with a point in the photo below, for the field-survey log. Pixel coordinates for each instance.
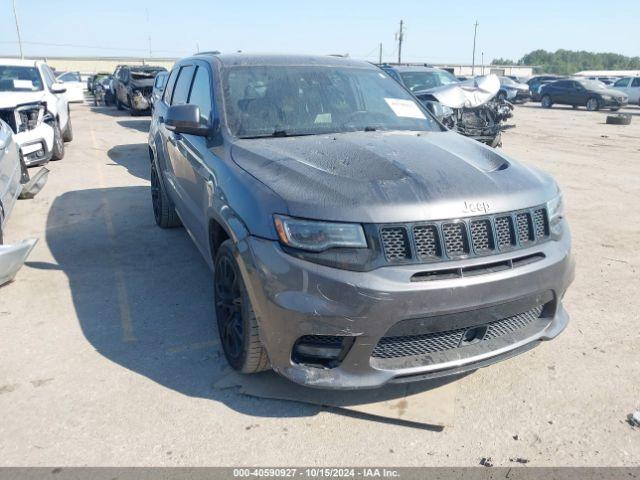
(630, 86)
(36, 108)
(75, 85)
(14, 183)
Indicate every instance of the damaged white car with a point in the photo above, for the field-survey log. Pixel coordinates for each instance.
(36, 108)
(15, 183)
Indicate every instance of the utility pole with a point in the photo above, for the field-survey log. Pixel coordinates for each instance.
(15, 16)
(482, 54)
(400, 37)
(473, 61)
(380, 55)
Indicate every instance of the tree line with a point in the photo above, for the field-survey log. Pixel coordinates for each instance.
(567, 62)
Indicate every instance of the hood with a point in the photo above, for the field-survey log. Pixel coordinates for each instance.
(142, 82)
(468, 94)
(379, 177)
(13, 99)
(612, 92)
(523, 87)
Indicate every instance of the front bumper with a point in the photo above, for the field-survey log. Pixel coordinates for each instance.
(140, 103)
(36, 145)
(614, 102)
(293, 298)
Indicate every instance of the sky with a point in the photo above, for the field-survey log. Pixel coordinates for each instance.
(436, 31)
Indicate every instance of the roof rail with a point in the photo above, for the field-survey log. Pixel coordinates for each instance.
(212, 52)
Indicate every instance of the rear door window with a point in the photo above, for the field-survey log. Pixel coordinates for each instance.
(168, 92)
(183, 85)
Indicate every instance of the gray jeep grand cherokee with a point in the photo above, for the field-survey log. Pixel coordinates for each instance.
(354, 240)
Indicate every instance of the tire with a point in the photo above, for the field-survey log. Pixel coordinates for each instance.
(575, 107)
(592, 104)
(164, 211)
(237, 323)
(620, 119)
(615, 109)
(119, 105)
(24, 173)
(546, 102)
(57, 152)
(67, 135)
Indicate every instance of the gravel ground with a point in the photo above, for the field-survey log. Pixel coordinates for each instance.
(108, 353)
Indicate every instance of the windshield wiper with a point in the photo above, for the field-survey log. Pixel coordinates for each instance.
(279, 133)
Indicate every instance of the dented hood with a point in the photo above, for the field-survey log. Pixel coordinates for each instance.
(13, 99)
(470, 94)
(396, 176)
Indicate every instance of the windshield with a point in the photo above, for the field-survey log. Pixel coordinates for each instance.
(416, 81)
(592, 84)
(308, 100)
(19, 79)
(144, 74)
(507, 81)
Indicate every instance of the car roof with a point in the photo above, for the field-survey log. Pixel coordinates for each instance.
(413, 68)
(245, 59)
(19, 62)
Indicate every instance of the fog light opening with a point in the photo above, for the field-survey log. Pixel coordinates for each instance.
(326, 351)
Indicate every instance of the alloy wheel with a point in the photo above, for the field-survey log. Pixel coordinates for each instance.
(155, 193)
(229, 308)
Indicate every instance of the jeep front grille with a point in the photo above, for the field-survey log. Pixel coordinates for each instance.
(462, 238)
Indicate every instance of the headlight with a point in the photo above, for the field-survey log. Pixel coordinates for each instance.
(318, 236)
(29, 117)
(555, 208)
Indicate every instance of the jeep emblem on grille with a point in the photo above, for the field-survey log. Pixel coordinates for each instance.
(476, 207)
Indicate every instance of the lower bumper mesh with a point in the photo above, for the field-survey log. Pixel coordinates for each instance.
(413, 345)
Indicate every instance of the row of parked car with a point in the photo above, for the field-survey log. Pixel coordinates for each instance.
(35, 124)
(594, 93)
(129, 86)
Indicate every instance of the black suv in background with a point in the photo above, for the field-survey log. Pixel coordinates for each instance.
(582, 92)
(133, 86)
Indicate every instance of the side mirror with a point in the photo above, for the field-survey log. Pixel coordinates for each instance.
(58, 88)
(186, 119)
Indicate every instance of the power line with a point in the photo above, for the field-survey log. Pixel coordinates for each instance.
(95, 47)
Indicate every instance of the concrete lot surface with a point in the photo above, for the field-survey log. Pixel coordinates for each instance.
(109, 353)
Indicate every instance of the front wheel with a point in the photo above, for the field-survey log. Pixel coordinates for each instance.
(67, 135)
(237, 323)
(57, 152)
(546, 102)
(592, 105)
(163, 210)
